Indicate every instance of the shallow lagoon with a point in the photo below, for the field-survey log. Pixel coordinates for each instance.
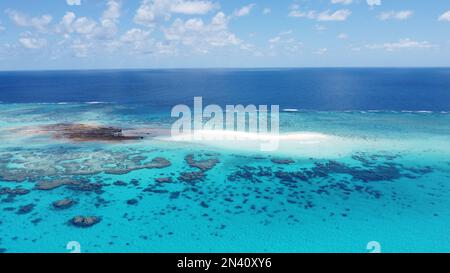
(380, 176)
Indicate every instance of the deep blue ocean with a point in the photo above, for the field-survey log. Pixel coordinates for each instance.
(363, 163)
(329, 89)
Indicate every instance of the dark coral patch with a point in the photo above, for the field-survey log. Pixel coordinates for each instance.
(250, 173)
(282, 161)
(86, 186)
(26, 209)
(63, 204)
(119, 183)
(13, 192)
(192, 176)
(164, 179)
(85, 221)
(132, 201)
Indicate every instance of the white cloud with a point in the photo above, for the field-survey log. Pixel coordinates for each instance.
(374, 2)
(344, 2)
(445, 16)
(22, 20)
(112, 11)
(73, 2)
(403, 44)
(298, 13)
(108, 21)
(139, 40)
(65, 25)
(200, 36)
(84, 25)
(29, 41)
(339, 15)
(134, 35)
(192, 7)
(245, 10)
(150, 10)
(397, 15)
(2, 28)
(104, 29)
(266, 11)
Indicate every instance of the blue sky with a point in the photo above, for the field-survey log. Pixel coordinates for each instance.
(92, 34)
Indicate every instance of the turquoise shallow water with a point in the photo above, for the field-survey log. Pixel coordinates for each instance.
(380, 176)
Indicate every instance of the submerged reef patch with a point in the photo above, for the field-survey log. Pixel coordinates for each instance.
(203, 164)
(26, 209)
(282, 161)
(192, 176)
(85, 221)
(84, 132)
(63, 204)
(39, 164)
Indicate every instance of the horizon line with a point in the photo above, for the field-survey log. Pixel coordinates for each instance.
(224, 68)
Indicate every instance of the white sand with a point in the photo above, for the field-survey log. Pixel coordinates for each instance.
(295, 144)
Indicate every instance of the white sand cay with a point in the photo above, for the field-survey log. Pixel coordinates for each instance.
(307, 144)
(296, 143)
(311, 137)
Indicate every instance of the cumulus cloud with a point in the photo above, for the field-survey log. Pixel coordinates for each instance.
(244, 11)
(403, 44)
(105, 28)
(108, 22)
(374, 2)
(266, 11)
(150, 10)
(192, 7)
(39, 23)
(83, 34)
(395, 15)
(139, 40)
(84, 25)
(200, 36)
(65, 25)
(344, 2)
(445, 16)
(29, 41)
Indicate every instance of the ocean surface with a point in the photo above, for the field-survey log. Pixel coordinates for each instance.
(372, 165)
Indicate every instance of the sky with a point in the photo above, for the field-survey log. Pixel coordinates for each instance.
(111, 34)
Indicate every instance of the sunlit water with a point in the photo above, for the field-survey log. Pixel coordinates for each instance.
(376, 176)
